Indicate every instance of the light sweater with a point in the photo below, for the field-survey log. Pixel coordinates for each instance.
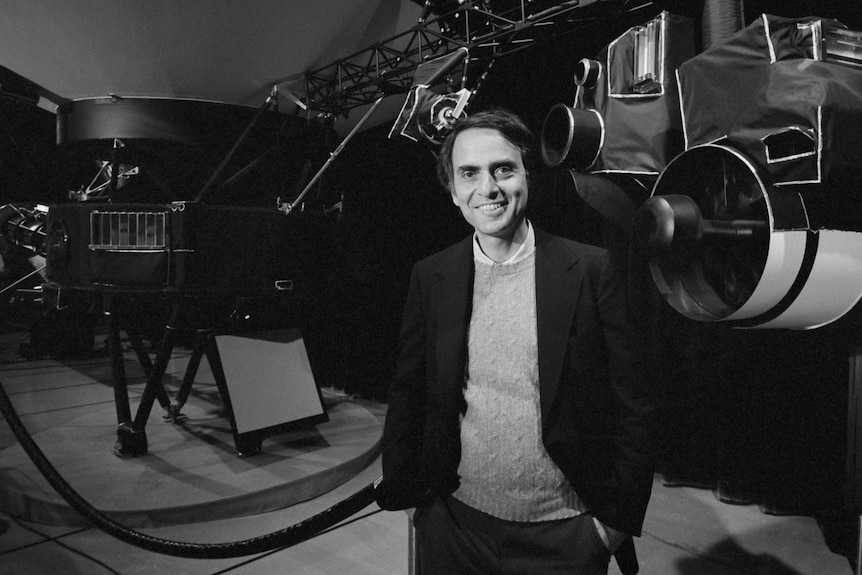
(504, 468)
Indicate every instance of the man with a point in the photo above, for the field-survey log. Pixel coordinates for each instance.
(517, 424)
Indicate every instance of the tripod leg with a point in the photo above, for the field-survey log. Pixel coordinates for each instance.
(138, 346)
(118, 371)
(154, 383)
(147, 365)
(859, 548)
(188, 378)
(131, 436)
(412, 548)
(854, 447)
(143, 357)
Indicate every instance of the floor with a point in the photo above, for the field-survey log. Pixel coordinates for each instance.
(687, 530)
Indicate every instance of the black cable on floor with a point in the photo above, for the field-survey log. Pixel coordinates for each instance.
(287, 537)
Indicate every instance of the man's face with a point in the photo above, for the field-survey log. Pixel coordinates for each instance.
(489, 182)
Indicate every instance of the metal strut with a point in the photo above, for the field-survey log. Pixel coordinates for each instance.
(289, 207)
(272, 99)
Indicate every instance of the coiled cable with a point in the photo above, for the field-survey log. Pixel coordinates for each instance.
(283, 538)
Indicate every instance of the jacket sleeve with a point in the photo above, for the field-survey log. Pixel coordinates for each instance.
(633, 431)
(404, 484)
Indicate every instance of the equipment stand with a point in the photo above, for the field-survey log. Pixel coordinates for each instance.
(854, 447)
(205, 344)
(131, 434)
(117, 308)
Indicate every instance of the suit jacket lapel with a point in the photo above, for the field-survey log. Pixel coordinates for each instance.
(558, 288)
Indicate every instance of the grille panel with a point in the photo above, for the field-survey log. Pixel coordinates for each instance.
(111, 231)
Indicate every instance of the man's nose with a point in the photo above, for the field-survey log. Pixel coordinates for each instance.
(488, 186)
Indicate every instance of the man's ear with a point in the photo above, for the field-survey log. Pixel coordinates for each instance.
(454, 197)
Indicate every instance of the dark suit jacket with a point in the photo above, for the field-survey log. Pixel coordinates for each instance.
(596, 411)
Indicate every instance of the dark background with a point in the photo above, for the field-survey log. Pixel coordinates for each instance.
(761, 414)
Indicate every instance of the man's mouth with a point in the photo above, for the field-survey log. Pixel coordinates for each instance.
(491, 207)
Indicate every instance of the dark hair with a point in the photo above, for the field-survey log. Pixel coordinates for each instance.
(510, 126)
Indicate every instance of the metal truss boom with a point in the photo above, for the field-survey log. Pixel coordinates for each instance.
(388, 66)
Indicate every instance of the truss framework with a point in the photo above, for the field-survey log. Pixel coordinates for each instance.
(361, 78)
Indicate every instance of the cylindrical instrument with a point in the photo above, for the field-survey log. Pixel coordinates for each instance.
(727, 245)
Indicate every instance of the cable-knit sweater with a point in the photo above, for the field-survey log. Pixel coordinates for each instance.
(504, 469)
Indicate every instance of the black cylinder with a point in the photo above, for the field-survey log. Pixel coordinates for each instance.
(587, 73)
(571, 137)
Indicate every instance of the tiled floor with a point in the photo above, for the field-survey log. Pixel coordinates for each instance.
(687, 531)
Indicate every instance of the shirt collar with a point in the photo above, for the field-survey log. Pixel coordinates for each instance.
(525, 251)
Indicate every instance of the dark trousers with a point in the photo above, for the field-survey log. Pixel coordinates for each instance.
(455, 539)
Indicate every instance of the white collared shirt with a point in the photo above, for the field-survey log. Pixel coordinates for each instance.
(526, 249)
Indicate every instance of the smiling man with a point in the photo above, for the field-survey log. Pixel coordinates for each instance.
(490, 187)
(518, 426)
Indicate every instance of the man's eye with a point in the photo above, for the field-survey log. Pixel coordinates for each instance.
(468, 175)
(504, 171)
